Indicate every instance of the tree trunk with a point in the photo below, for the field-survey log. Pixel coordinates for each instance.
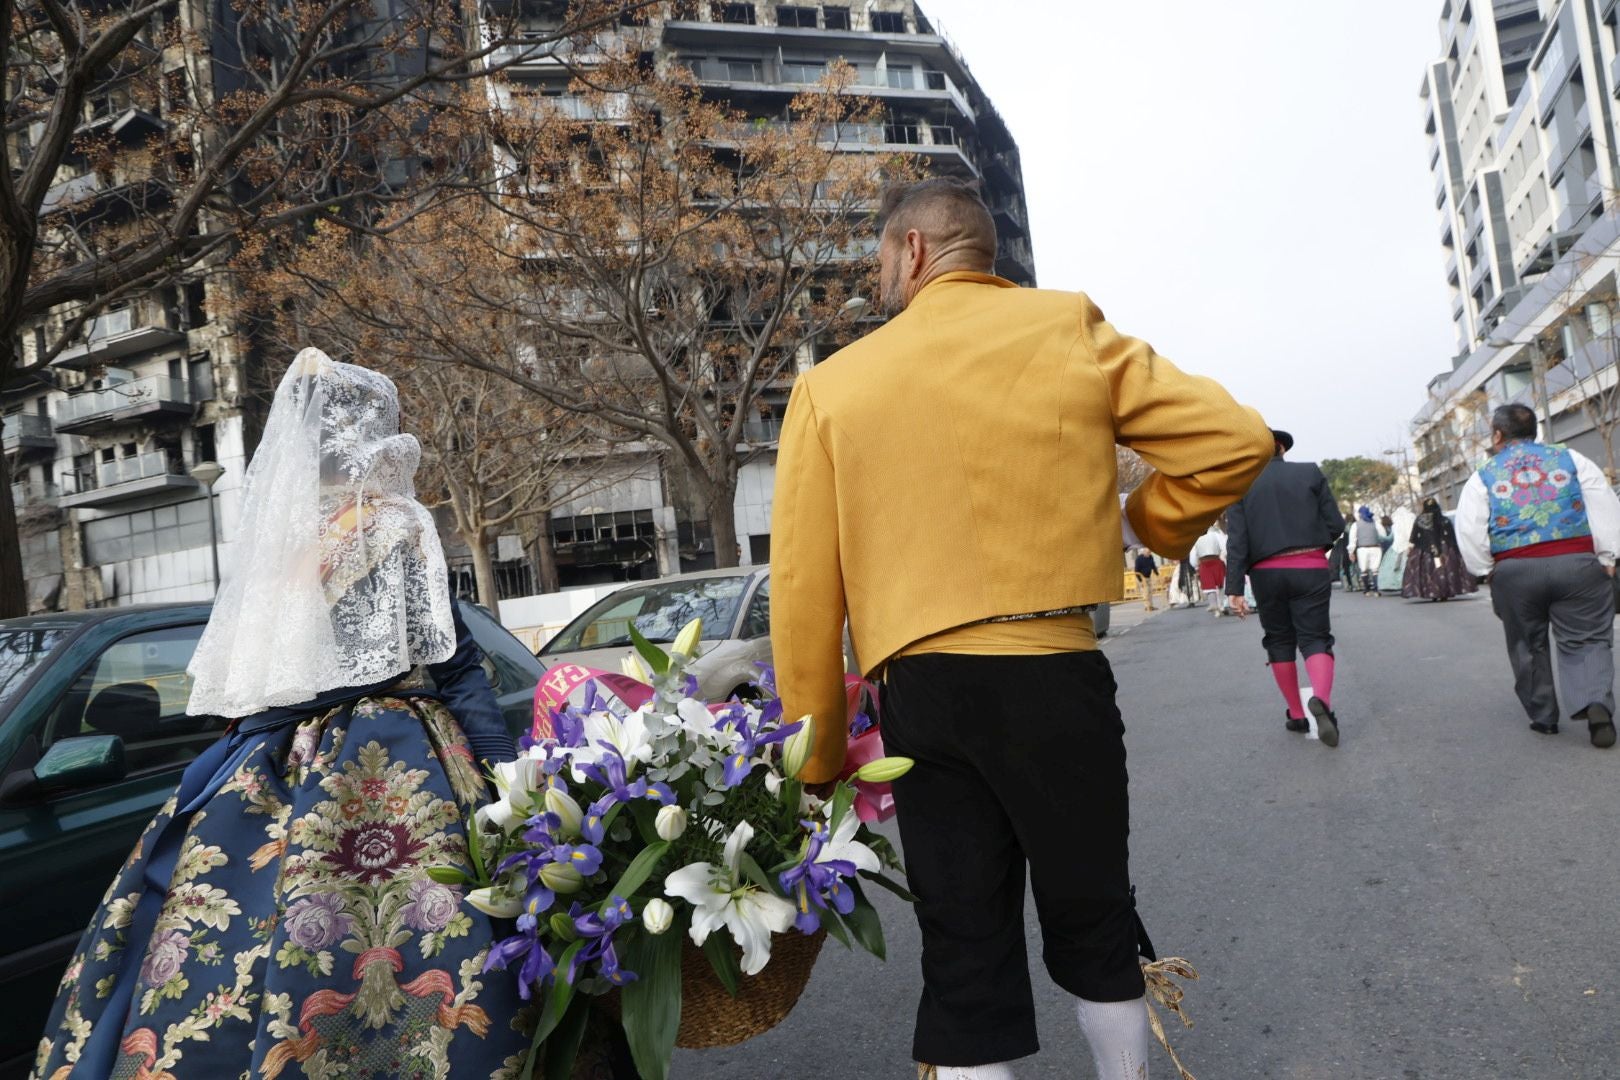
(723, 523)
(544, 557)
(13, 589)
(483, 570)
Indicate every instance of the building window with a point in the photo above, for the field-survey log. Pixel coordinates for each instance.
(201, 372)
(743, 70)
(196, 309)
(888, 22)
(800, 17)
(902, 134)
(146, 532)
(803, 71)
(202, 442)
(738, 13)
(835, 18)
(901, 78)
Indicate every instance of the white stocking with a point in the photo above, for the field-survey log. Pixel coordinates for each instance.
(998, 1071)
(1118, 1034)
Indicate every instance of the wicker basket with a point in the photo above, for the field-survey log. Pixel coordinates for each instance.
(711, 1017)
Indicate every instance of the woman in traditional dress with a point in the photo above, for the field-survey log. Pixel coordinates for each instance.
(1392, 571)
(1434, 566)
(277, 918)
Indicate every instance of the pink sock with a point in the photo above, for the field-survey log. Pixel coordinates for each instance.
(1287, 676)
(1320, 670)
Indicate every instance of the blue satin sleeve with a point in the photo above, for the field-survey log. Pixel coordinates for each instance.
(466, 690)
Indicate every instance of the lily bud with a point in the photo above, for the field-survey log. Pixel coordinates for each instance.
(561, 878)
(496, 902)
(884, 769)
(686, 642)
(670, 822)
(632, 666)
(796, 751)
(566, 809)
(563, 926)
(657, 916)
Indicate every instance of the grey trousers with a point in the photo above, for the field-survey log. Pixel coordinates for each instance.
(1575, 597)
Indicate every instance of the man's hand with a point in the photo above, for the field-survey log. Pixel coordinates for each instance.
(1239, 606)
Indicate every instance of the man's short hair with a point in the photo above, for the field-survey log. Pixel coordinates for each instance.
(927, 205)
(1514, 422)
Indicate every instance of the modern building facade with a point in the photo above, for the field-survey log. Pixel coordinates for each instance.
(757, 57)
(102, 437)
(1520, 111)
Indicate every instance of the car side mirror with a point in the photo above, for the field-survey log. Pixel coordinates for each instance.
(80, 762)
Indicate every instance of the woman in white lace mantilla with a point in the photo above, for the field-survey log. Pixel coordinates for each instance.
(277, 918)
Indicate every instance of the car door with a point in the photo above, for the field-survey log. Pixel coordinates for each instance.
(59, 852)
(513, 670)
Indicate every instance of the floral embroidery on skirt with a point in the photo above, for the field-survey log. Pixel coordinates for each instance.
(299, 933)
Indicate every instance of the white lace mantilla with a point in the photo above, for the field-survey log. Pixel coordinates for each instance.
(339, 579)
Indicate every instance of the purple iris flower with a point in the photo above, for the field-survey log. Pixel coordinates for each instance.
(860, 725)
(537, 969)
(597, 932)
(585, 858)
(816, 886)
(612, 773)
(767, 677)
(739, 762)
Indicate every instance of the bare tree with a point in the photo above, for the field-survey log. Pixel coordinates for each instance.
(667, 264)
(147, 140)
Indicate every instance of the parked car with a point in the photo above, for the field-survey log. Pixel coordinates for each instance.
(735, 606)
(93, 738)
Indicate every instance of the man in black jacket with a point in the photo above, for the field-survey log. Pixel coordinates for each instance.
(1279, 536)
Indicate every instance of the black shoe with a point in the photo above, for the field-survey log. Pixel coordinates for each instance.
(1543, 729)
(1327, 725)
(1296, 725)
(1601, 726)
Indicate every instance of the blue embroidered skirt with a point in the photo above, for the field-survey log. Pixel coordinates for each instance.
(277, 920)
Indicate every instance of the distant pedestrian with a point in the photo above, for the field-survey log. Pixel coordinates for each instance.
(1368, 539)
(1146, 566)
(1184, 585)
(1210, 554)
(1279, 537)
(1434, 565)
(1343, 562)
(1542, 521)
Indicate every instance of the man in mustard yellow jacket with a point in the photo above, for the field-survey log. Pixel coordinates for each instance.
(947, 484)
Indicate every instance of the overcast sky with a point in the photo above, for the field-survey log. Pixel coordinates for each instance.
(1245, 185)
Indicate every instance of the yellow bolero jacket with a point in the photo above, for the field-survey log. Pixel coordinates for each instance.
(958, 464)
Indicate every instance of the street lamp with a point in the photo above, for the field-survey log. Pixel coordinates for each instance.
(207, 473)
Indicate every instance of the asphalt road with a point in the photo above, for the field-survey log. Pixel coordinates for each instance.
(1435, 899)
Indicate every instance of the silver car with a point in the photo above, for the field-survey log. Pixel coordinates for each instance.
(735, 606)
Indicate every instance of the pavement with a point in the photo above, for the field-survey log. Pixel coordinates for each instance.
(1435, 899)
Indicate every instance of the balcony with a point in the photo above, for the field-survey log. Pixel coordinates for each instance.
(113, 335)
(153, 397)
(128, 478)
(27, 431)
(29, 494)
(911, 85)
(762, 431)
(128, 126)
(89, 196)
(1010, 216)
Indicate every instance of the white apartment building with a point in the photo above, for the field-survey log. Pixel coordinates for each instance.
(1520, 112)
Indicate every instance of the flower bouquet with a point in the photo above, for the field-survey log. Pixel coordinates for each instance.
(640, 818)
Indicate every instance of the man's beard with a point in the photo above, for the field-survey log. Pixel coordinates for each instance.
(890, 301)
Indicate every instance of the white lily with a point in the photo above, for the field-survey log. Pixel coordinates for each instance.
(686, 642)
(566, 807)
(844, 846)
(517, 782)
(632, 666)
(720, 897)
(657, 916)
(670, 822)
(796, 750)
(496, 901)
(629, 735)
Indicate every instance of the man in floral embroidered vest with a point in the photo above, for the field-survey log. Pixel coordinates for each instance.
(1542, 521)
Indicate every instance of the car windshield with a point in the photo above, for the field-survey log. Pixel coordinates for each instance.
(657, 610)
(21, 651)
